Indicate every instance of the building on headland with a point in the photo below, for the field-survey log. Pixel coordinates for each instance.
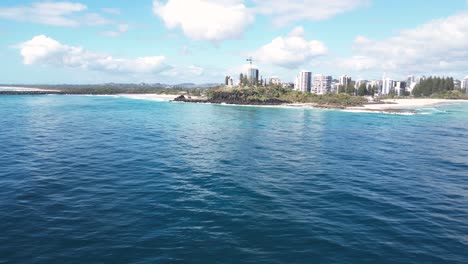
(345, 80)
(253, 75)
(275, 81)
(287, 85)
(321, 84)
(228, 81)
(303, 81)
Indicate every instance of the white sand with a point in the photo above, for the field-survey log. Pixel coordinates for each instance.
(406, 104)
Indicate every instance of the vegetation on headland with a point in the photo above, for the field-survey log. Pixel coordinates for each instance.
(279, 95)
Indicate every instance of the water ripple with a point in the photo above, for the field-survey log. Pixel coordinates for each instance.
(113, 180)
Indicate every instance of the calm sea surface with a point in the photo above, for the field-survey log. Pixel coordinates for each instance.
(112, 180)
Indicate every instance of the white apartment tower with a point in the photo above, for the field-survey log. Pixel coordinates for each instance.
(322, 84)
(464, 84)
(303, 81)
(345, 80)
(388, 86)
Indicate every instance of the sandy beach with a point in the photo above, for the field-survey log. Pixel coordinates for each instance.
(392, 104)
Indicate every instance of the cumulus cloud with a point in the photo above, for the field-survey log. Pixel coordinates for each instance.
(66, 14)
(42, 50)
(121, 29)
(437, 46)
(211, 20)
(285, 12)
(290, 51)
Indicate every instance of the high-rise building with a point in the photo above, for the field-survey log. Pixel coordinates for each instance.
(345, 80)
(464, 84)
(388, 86)
(228, 81)
(303, 81)
(400, 88)
(253, 75)
(377, 85)
(322, 84)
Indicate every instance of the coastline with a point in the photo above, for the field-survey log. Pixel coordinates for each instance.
(388, 106)
(391, 106)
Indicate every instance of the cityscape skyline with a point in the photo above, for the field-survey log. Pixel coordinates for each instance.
(177, 41)
(307, 81)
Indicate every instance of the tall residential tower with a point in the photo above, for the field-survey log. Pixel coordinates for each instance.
(303, 81)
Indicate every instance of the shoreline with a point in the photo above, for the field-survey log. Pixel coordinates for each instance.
(391, 106)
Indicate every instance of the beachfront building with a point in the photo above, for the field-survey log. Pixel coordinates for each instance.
(411, 82)
(303, 81)
(388, 86)
(400, 88)
(321, 84)
(464, 85)
(345, 80)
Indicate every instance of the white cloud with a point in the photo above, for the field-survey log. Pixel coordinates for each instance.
(112, 11)
(66, 14)
(439, 46)
(49, 13)
(42, 50)
(93, 19)
(290, 51)
(284, 12)
(121, 29)
(212, 20)
(185, 73)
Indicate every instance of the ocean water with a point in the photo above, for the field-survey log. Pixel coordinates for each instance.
(112, 180)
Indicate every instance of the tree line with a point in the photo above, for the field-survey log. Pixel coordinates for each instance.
(433, 85)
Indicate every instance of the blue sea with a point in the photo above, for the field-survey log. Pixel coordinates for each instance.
(89, 179)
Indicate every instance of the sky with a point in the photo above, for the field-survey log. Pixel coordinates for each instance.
(201, 41)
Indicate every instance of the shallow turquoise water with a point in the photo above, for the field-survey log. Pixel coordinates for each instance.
(114, 180)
